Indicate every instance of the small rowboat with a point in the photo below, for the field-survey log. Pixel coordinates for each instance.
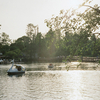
(50, 66)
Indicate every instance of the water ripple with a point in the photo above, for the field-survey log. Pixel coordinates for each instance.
(50, 85)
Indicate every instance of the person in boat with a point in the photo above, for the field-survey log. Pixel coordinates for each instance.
(50, 64)
(18, 68)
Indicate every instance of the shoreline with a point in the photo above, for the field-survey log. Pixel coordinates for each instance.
(55, 59)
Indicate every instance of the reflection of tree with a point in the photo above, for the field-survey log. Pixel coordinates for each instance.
(83, 67)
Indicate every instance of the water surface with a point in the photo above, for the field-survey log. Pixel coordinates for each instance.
(41, 83)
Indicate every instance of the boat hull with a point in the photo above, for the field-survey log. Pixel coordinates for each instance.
(15, 73)
(50, 66)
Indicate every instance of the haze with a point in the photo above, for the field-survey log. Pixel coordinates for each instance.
(15, 15)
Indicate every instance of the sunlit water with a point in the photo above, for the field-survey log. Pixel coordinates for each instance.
(41, 83)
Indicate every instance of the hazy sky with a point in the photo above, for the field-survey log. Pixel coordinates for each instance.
(15, 15)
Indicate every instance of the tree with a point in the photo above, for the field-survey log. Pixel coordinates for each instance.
(4, 49)
(31, 33)
(58, 23)
(22, 43)
(31, 30)
(84, 25)
(11, 54)
(5, 39)
(38, 44)
(0, 25)
(50, 42)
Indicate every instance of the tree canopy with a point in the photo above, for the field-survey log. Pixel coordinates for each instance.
(70, 33)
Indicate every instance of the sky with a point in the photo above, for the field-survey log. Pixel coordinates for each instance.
(15, 15)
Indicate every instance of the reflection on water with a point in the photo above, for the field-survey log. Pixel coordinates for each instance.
(18, 75)
(41, 83)
(63, 66)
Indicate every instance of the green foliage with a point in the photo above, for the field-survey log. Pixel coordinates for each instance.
(5, 39)
(4, 49)
(11, 54)
(77, 38)
(50, 39)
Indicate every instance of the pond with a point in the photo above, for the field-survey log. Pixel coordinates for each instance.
(41, 83)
